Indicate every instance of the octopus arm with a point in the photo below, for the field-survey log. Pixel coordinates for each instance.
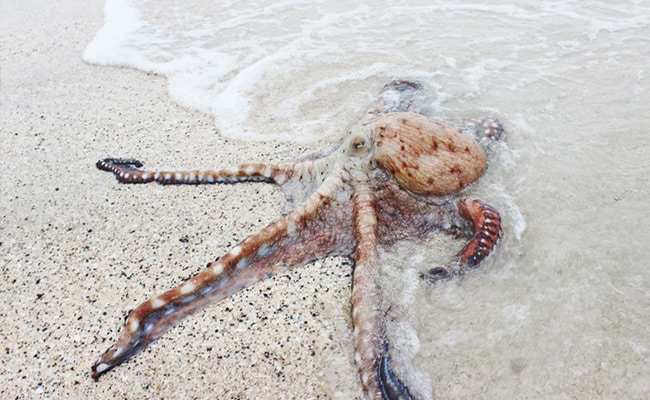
(299, 237)
(483, 130)
(487, 231)
(128, 170)
(485, 221)
(371, 348)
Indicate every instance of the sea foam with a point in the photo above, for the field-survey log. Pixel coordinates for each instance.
(299, 70)
(292, 70)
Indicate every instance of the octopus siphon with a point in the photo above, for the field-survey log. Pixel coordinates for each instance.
(396, 174)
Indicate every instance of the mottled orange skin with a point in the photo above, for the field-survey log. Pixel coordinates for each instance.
(426, 157)
(395, 175)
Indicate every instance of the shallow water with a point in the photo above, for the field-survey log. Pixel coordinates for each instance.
(561, 311)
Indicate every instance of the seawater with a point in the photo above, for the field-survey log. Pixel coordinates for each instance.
(562, 309)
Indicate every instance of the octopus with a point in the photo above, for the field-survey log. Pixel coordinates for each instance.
(396, 174)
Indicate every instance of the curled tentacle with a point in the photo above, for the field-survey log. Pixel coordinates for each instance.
(486, 222)
(120, 166)
(127, 170)
(487, 231)
(303, 235)
(392, 388)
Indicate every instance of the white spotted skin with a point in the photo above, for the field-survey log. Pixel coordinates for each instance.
(157, 303)
(101, 368)
(235, 251)
(118, 351)
(217, 268)
(187, 288)
(134, 324)
(340, 202)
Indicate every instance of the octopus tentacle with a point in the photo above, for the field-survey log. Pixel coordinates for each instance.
(487, 231)
(397, 95)
(486, 223)
(482, 130)
(127, 170)
(371, 355)
(392, 176)
(299, 237)
(391, 386)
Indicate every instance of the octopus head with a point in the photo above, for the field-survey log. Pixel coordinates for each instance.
(425, 157)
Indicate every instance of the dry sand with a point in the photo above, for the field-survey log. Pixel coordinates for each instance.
(78, 250)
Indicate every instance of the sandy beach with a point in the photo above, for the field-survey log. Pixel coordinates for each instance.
(78, 250)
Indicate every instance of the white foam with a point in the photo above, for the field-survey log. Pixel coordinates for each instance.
(296, 70)
(110, 45)
(290, 70)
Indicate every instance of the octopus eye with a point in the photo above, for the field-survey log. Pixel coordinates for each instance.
(358, 143)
